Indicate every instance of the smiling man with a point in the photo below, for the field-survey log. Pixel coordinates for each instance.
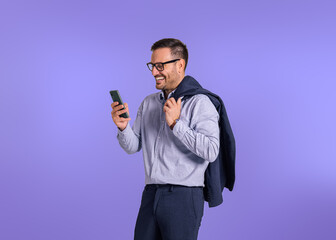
(179, 138)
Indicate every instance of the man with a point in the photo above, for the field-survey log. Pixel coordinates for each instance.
(178, 139)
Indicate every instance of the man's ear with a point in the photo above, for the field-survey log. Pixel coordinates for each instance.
(181, 65)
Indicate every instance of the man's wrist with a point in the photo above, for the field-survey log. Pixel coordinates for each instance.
(173, 124)
(122, 129)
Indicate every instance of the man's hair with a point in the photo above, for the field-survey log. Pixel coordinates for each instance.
(177, 48)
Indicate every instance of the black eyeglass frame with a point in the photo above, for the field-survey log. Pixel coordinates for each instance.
(163, 63)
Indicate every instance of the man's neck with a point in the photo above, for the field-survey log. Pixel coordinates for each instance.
(166, 93)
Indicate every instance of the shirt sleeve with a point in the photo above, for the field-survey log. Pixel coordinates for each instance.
(130, 138)
(202, 135)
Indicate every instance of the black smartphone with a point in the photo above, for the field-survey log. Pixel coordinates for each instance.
(116, 98)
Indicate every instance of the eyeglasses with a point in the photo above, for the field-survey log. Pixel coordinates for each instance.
(159, 66)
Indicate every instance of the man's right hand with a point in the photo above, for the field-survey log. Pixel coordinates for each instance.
(116, 112)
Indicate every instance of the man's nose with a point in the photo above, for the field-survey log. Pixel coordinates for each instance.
(155, 71)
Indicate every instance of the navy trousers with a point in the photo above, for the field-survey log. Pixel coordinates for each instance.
(169, 212)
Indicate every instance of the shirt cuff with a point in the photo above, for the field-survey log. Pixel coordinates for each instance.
(124, 132)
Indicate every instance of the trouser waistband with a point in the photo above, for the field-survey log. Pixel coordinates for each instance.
(170, 186)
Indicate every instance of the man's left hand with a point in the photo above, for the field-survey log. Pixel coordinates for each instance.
(172, 110)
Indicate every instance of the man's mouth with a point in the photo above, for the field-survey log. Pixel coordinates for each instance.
(159, 79)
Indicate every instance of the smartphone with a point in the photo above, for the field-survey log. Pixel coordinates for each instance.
(116, 98)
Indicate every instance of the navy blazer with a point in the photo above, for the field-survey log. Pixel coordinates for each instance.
(221, 172)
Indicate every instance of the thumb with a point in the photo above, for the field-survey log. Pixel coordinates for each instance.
(179, 101)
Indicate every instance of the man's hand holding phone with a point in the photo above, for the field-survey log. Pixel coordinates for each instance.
(117, 110)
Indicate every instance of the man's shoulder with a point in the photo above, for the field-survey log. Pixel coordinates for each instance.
(150, 99)
(153, 96)
(199, 99)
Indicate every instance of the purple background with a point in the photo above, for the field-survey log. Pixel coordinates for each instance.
(63, 175)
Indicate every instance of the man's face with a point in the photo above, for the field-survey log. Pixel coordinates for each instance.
(167, 79)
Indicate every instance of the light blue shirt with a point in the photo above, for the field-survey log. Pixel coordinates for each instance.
(179, 156)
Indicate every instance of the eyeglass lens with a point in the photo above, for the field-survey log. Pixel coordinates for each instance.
(159, 66)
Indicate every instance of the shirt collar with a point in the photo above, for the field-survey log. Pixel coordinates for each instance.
(169, 95)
